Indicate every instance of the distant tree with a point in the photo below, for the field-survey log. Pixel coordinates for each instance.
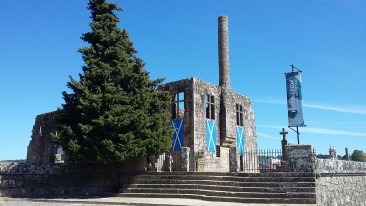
(340, 157)
(345, 157)
(114, 112)
(358, 155)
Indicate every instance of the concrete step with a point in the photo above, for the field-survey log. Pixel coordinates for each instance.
(226, 178)
(233, 187)
(240, 174)
(225, 188)
(220, 193)
(221, 183)
(223, 199)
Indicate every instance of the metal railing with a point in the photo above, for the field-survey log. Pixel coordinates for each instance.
(263, 161)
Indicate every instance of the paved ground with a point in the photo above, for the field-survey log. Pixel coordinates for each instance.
(125, 201)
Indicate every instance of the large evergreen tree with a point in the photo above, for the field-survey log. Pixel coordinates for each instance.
(115, 112)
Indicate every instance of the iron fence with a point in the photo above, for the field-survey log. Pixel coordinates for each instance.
(263, 161)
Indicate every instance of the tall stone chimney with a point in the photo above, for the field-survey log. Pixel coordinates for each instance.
(224, 66)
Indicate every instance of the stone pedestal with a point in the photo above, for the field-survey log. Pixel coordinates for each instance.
(185, 158)
(233, 159)
(200, 161)
(300, 158)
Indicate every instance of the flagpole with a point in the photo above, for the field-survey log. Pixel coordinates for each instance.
(297, 127)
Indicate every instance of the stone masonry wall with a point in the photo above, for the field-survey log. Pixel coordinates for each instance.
(231, 99)
(340, 182)
(185, 86)
(339, 166)
(216, 164)
(29, 180)
(300, 158)
(341, 190)
(195, 92)
(225, 119)
(40, 148)
(200, 90)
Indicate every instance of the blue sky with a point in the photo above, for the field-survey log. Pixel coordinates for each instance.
(178, 39)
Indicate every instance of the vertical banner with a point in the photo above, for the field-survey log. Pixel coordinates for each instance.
(294, 99)
(211, 135)
(240, 139)
(178, 136)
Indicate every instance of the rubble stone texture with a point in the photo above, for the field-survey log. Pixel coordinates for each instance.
(40, 148)
(185, 158)
(300, 158)
(340, 182)
(49, 180)
(341, 190)
(195, 92)
(339, 166)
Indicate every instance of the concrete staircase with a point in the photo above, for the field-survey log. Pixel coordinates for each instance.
(279, 187)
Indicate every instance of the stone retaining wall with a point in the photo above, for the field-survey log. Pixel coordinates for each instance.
(340, 182)
(341, 190)
(25, 180)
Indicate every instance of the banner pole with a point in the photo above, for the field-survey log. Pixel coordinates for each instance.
(294, 100)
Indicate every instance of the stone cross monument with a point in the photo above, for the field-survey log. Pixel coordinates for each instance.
(284, 143)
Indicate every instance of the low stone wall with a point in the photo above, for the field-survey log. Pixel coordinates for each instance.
(339, 166)
(340, 182)
(26, 180)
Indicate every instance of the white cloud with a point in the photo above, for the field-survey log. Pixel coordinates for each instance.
(270, 126)
(354, 109)
(289, 139)
(267, 136)
(271, 101)
(312, 130)
(350, 123)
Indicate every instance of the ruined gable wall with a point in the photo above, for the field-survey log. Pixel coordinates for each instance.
(232, 98)
(186, 86)
(250, 143)
(226, 100)
(225, 119)
(40, 148)
(200, 90)
(207, 161)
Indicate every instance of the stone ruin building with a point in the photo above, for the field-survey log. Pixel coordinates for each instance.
(40, 148)
(213, 125)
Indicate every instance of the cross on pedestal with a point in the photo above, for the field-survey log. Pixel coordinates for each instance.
(283, 144)
(284, 132)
